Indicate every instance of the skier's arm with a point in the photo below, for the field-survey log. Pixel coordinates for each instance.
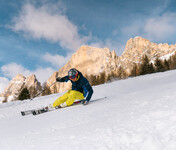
(87, 89)
(63, 79)
(90, 91)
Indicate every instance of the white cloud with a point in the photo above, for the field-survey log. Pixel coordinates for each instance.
(158, 28)
(49, 23)
(161, 27)
(43, 74)
(131, 30)
(13, 69)
(109, 43)
(56, 60)
(161, 7)
(3, 84)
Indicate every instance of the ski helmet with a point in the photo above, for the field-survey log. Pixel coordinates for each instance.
(72, 73)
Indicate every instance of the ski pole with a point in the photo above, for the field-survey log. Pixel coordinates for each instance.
(42, 91)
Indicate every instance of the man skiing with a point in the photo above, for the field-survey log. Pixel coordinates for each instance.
(81, 89)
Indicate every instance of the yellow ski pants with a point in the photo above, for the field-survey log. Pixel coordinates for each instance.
(69, 98)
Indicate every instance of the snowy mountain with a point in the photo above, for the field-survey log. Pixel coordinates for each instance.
(17, 84)
(138, 114)
(100, 62)
(137, 47)
(94, 61)
(88, 60)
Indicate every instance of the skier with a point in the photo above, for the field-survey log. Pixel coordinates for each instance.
(81, 89)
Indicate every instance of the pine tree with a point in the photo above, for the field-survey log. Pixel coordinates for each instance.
(46, 89)
(146, 67)
(102, 78)
(93, 80)
(24, 94)
(173, 61)
(166, 65)
(159, 65)
(134, 71)
(121, 73)
(111, 77)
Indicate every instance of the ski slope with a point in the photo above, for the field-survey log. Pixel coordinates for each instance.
(138, 114)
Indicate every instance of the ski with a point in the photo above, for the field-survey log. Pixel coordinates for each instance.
(46, 109)
(27, 112)
(42, 110)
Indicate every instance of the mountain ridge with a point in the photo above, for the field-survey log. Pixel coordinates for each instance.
(92, 61)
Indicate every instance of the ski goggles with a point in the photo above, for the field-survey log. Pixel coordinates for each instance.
(73, 77)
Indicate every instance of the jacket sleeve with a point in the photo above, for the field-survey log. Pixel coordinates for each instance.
(64, 79)
(88, 91)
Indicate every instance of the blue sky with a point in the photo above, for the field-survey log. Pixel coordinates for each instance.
(40, 37)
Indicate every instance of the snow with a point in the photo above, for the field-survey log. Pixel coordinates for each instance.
(10, 98)
(138, 114)
(166, 57)
(1, 99)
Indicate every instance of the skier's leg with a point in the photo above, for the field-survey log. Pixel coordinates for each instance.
(61, 99)
(73, 96)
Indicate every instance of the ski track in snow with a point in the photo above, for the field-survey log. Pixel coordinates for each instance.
(138, 114)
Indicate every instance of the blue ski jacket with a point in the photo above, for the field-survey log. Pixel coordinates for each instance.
(82, 85)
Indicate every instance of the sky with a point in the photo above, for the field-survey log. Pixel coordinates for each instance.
(38, 37)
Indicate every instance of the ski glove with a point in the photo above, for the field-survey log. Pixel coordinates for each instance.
(58, 79)
(85, 102)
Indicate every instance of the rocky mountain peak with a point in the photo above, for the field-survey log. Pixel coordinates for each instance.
(18, 83)
(137, 42)
(138, 47)
(90, 61)
(19, 77)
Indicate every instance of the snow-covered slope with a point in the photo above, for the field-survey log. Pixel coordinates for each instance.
(138, 114)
